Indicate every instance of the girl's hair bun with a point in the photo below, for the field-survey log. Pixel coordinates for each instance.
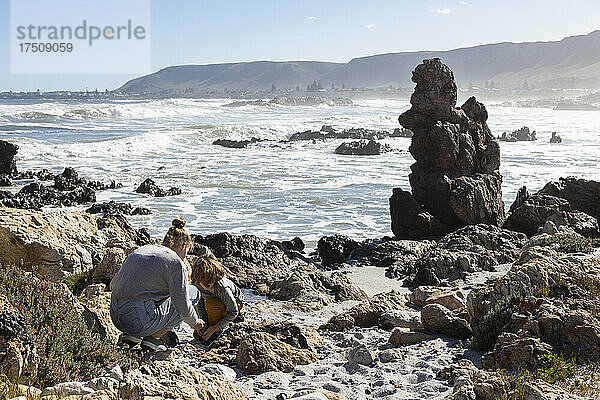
(178, 223)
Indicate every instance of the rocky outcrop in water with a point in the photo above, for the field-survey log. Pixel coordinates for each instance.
(327, 132)
(363, 148)
(236, 144)
(267, 267)
(455, 180)
(555, 138)
(520, 135)
(151, 188)
(112, 207)
(8, 151)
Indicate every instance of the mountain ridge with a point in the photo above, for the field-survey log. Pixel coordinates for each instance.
(573, 61)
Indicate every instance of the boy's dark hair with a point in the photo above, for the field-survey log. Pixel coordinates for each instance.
(207, 270)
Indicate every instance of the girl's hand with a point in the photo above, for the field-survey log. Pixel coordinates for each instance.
(210, 331)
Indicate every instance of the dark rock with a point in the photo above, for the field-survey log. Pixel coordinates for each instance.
(391, 254)
(42, 175)
(68, 180)
(327, 129)
(112, 207)
(535, 210)
(151, 188)
(294, 244)
(555, 138)
(455, 179)
(362, 148)
(583, 195)
(520, 199)
(8, 151)
(308, 135)
(36, 195)
(520, 135)
(5, 180)
(235, 144)
(411, 220)
(330, 133)
(335, 249)
(404, 133)
(470, 249)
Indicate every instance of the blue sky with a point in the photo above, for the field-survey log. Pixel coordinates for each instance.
(201, 32)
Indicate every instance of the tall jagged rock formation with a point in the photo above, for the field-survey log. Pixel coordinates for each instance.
(455, 180)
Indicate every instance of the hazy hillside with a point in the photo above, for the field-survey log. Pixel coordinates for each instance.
(571, 62)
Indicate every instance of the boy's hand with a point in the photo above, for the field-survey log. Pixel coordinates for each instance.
(210, 331)
(198, 328)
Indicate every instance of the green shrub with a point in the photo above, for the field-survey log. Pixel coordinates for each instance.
(67, 349)
(555, 368)
(486, 332)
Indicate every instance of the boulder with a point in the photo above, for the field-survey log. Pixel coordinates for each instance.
(405, 336)
(437, 318)
(455, 180)
(360, 355)
(529, 213)
(261, 352)
(520, 135)
(60, 243)
(396, 255)
(35, 196)
(335, 249)
(401, 319)
(451, 299)
(94, 305)
(294, 244)
(366, 314)
(516, 354)
(469, 249)
(166, 379)
(363, 148)
(18, 357)
(411, 220)
(581, 194)
(8, 151)
(151, 188)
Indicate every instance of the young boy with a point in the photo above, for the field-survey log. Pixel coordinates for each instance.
(221, 298)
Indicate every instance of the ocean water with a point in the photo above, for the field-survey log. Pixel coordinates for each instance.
(272, 189)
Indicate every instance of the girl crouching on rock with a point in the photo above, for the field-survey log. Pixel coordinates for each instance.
(150, 293)
(221, 298)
